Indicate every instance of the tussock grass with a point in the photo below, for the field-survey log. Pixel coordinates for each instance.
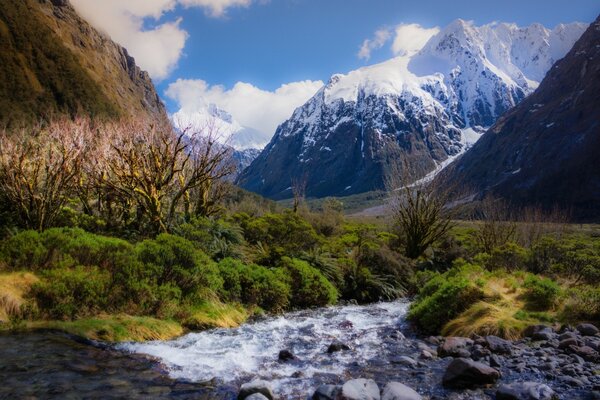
(215, 314)
(13, 289)
(116, 328)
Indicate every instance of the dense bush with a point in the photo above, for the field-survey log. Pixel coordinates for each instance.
(217, 238)
(509, 256)
(68, 293)
(254, 285)
(541, 293)
(582, 304)
(444, 297)
(309, 288)
(176, 261)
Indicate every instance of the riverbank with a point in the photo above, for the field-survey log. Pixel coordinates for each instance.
(293, 353)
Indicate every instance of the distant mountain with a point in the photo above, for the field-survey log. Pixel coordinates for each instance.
(222, 124)
(545, 151)
(412, 114)
(53, 62)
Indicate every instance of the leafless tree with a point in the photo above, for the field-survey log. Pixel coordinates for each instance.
(419, 212)
(298, 191)
(496, 224)
(40, 167)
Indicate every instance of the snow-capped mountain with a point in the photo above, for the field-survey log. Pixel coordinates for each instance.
(223, 125)
(544, 152)
(411, 114)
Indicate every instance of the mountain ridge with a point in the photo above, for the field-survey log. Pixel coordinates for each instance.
(398, 116)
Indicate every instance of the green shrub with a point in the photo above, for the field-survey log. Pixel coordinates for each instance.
(217, 238)
(309, 288)
(69, 293)
(174, 260)
(509, 256)
(254, 285)
(582, 304)
(24, 250)
(443, 298)
(541, 293)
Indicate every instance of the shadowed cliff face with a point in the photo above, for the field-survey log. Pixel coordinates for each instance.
(545, 151)
(52, 62)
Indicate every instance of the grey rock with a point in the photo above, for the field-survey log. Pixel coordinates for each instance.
(498, 345)
(568, 342)
(587, 329)
(399, 391)
(256, 386)
(539, 332)
(404, 360)
(326, 392)
(525, 391)
(360, 389)
(464, 373)
(337, 346)
(455, 347)
(286, 355)
(257, 396)
(495, 361)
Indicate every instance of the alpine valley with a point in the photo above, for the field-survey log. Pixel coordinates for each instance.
(408, 116)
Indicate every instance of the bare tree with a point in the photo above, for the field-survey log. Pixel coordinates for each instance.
(419, 213)
(496, 226)
(40, 167)
(299, 191)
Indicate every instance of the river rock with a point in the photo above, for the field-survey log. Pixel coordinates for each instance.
(360, 389)
(539, 332)
(587, 329)
(337, 346)
(326, 392)
(399, 391)
(286, 355)
(568, 342)
(585, 352)
(525, 391)
(404, 360)
(464, 373)
(455, 347)
(498, 345)
(256, 386)
(257, 396)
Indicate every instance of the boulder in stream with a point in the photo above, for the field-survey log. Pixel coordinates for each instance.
(337, 346)
(326, 392)
(399, 391)
(525, 391)
(464, 373)
(360, 389)
(256, 386)
(455, 347)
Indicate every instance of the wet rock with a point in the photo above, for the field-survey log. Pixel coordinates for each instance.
(257, 396)
(404, 360)
(478, 352)
(525, 391)
(495, 361)
(286, 355)
(425, 355)
(399, 391)
(539, 332)
(337, 346)
(360, 389)
(585, 352)
(326, 392)
(498, 345)
(568, 342)
(464, 373)
(256, 386)
(346, 325)
(455, 347)
(587, 329)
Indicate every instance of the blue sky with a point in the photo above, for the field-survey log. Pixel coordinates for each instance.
(260, 59)
(290, 40)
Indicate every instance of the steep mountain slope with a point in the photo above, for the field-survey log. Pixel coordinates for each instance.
(53, 62)
(545, 151)
(411, 114)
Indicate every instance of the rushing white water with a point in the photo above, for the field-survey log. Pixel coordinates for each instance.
(250, 351)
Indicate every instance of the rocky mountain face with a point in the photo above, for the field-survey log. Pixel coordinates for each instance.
(409, 116)
(545, 151)
(52, 62)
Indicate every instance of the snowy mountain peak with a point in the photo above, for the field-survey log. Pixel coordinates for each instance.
(419, 110)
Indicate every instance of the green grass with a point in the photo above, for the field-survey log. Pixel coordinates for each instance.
(215, 314)
(115, 328)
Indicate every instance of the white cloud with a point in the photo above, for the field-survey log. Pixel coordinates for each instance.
(377, 42)
(410, 38)
(156, 50)
(250, 106)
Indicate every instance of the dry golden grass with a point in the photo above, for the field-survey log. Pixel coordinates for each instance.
(215, 314)
(13, 288)
(496, 315)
